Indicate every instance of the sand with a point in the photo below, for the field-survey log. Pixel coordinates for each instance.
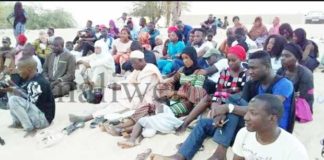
(87, 143)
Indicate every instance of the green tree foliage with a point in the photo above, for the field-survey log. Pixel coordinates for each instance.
(38, 18)
(156, 9)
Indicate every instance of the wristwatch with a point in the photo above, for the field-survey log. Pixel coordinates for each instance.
(230, 108)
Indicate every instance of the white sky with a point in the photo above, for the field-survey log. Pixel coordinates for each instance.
(101, 12)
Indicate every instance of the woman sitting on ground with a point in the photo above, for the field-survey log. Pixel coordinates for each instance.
(172, 60)
(121, 48)
(182, 101)
(258, 32)
(231, 81)
(286, 31)
(301, 76)
(310, 49)
(274, 45)
(42, 47)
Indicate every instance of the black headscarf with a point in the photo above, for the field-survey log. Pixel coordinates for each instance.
(191, 52)
(301, 36)
(295, 50)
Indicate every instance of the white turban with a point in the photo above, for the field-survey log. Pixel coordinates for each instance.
(137, 54)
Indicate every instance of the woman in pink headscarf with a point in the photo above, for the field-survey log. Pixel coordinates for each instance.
(143, 38)
(275, 28)
(113, 30)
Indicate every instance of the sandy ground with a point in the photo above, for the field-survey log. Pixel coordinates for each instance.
(88, 143)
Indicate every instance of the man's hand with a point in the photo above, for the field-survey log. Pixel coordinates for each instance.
(8, 89)
(55, 83)
(219, 120)
(114, 86)
(218, 109)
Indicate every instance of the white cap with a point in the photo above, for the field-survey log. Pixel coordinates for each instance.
(137, 54)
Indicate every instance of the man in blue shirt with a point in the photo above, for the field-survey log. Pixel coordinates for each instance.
(185, 30)
(227, 119)
(150, 28)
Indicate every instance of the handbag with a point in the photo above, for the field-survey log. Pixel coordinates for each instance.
(303, 112)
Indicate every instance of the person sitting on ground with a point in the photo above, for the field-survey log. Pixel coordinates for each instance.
(171, 62)
(210, 37)
(309, 48)
(6, 54)
(51, 36)
(148, 56)
(258, 32)
(29, 51)
(191, 38)
(274, 45)
(225, 24)
(82, 32)
(69, 47)
(143, 38)
(182, 100)
(133, 30)
(142, 80)
(241, 37)
(142, 24)
(231, 81)
(32, 106)
(95, 70)
(113, 31)
(301, 77)
(86, 42)
(209, 25)
(158, 49)
(227, 43)
(262, 81)
(262, 137)
(150, 28)
(201, 45)
(275, 28)
(121, 21)
(184, 29)
(59, 69)
(238, 24)
(106, 37)
(42, 46)
(217, 63)
(286, 30)
(121, 48)
(97, 31)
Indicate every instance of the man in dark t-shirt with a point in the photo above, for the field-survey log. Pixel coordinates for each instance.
(32, 104)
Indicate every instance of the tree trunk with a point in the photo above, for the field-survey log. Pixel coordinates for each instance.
(168, 13)
(176, 12)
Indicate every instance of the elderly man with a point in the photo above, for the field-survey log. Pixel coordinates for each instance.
(59, 69)
(140, 84)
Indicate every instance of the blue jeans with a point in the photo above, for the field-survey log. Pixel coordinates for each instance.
(205, 128)
(26, 113)
(19, 29)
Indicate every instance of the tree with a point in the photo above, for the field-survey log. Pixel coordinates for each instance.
(155, 10)
(38, 18)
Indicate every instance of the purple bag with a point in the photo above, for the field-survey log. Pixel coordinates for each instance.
(303, 112)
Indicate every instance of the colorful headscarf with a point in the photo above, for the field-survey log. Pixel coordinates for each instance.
(143, 38)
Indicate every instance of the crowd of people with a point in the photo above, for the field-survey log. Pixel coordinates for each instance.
(244, 93)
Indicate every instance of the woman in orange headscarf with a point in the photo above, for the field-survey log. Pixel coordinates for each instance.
(143, 38)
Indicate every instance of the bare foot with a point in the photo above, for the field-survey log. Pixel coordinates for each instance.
(112, 130)
(160, 157)
(126, 144)
(144, 155)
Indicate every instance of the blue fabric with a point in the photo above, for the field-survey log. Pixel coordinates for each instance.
(175, 48)
(202, 63)
(283, 88)
(186, 33)
(165, 66)
(204, 129)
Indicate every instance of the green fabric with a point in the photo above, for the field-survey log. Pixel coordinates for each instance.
(178, 109)
(194, 79)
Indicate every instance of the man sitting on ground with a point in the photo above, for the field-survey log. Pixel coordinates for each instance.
(262, 138)
(32, 106)
(59, 69)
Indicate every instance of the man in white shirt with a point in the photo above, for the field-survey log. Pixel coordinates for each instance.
(216, 63)
(201, 46)
(240, 36)
(262, 138)
(122, 21)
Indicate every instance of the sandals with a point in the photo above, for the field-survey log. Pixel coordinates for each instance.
(96, 121)
(47, 139)
(71, 128)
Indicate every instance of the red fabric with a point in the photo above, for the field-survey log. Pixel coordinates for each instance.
(172, 28)
(238, 51)
(22, 39)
